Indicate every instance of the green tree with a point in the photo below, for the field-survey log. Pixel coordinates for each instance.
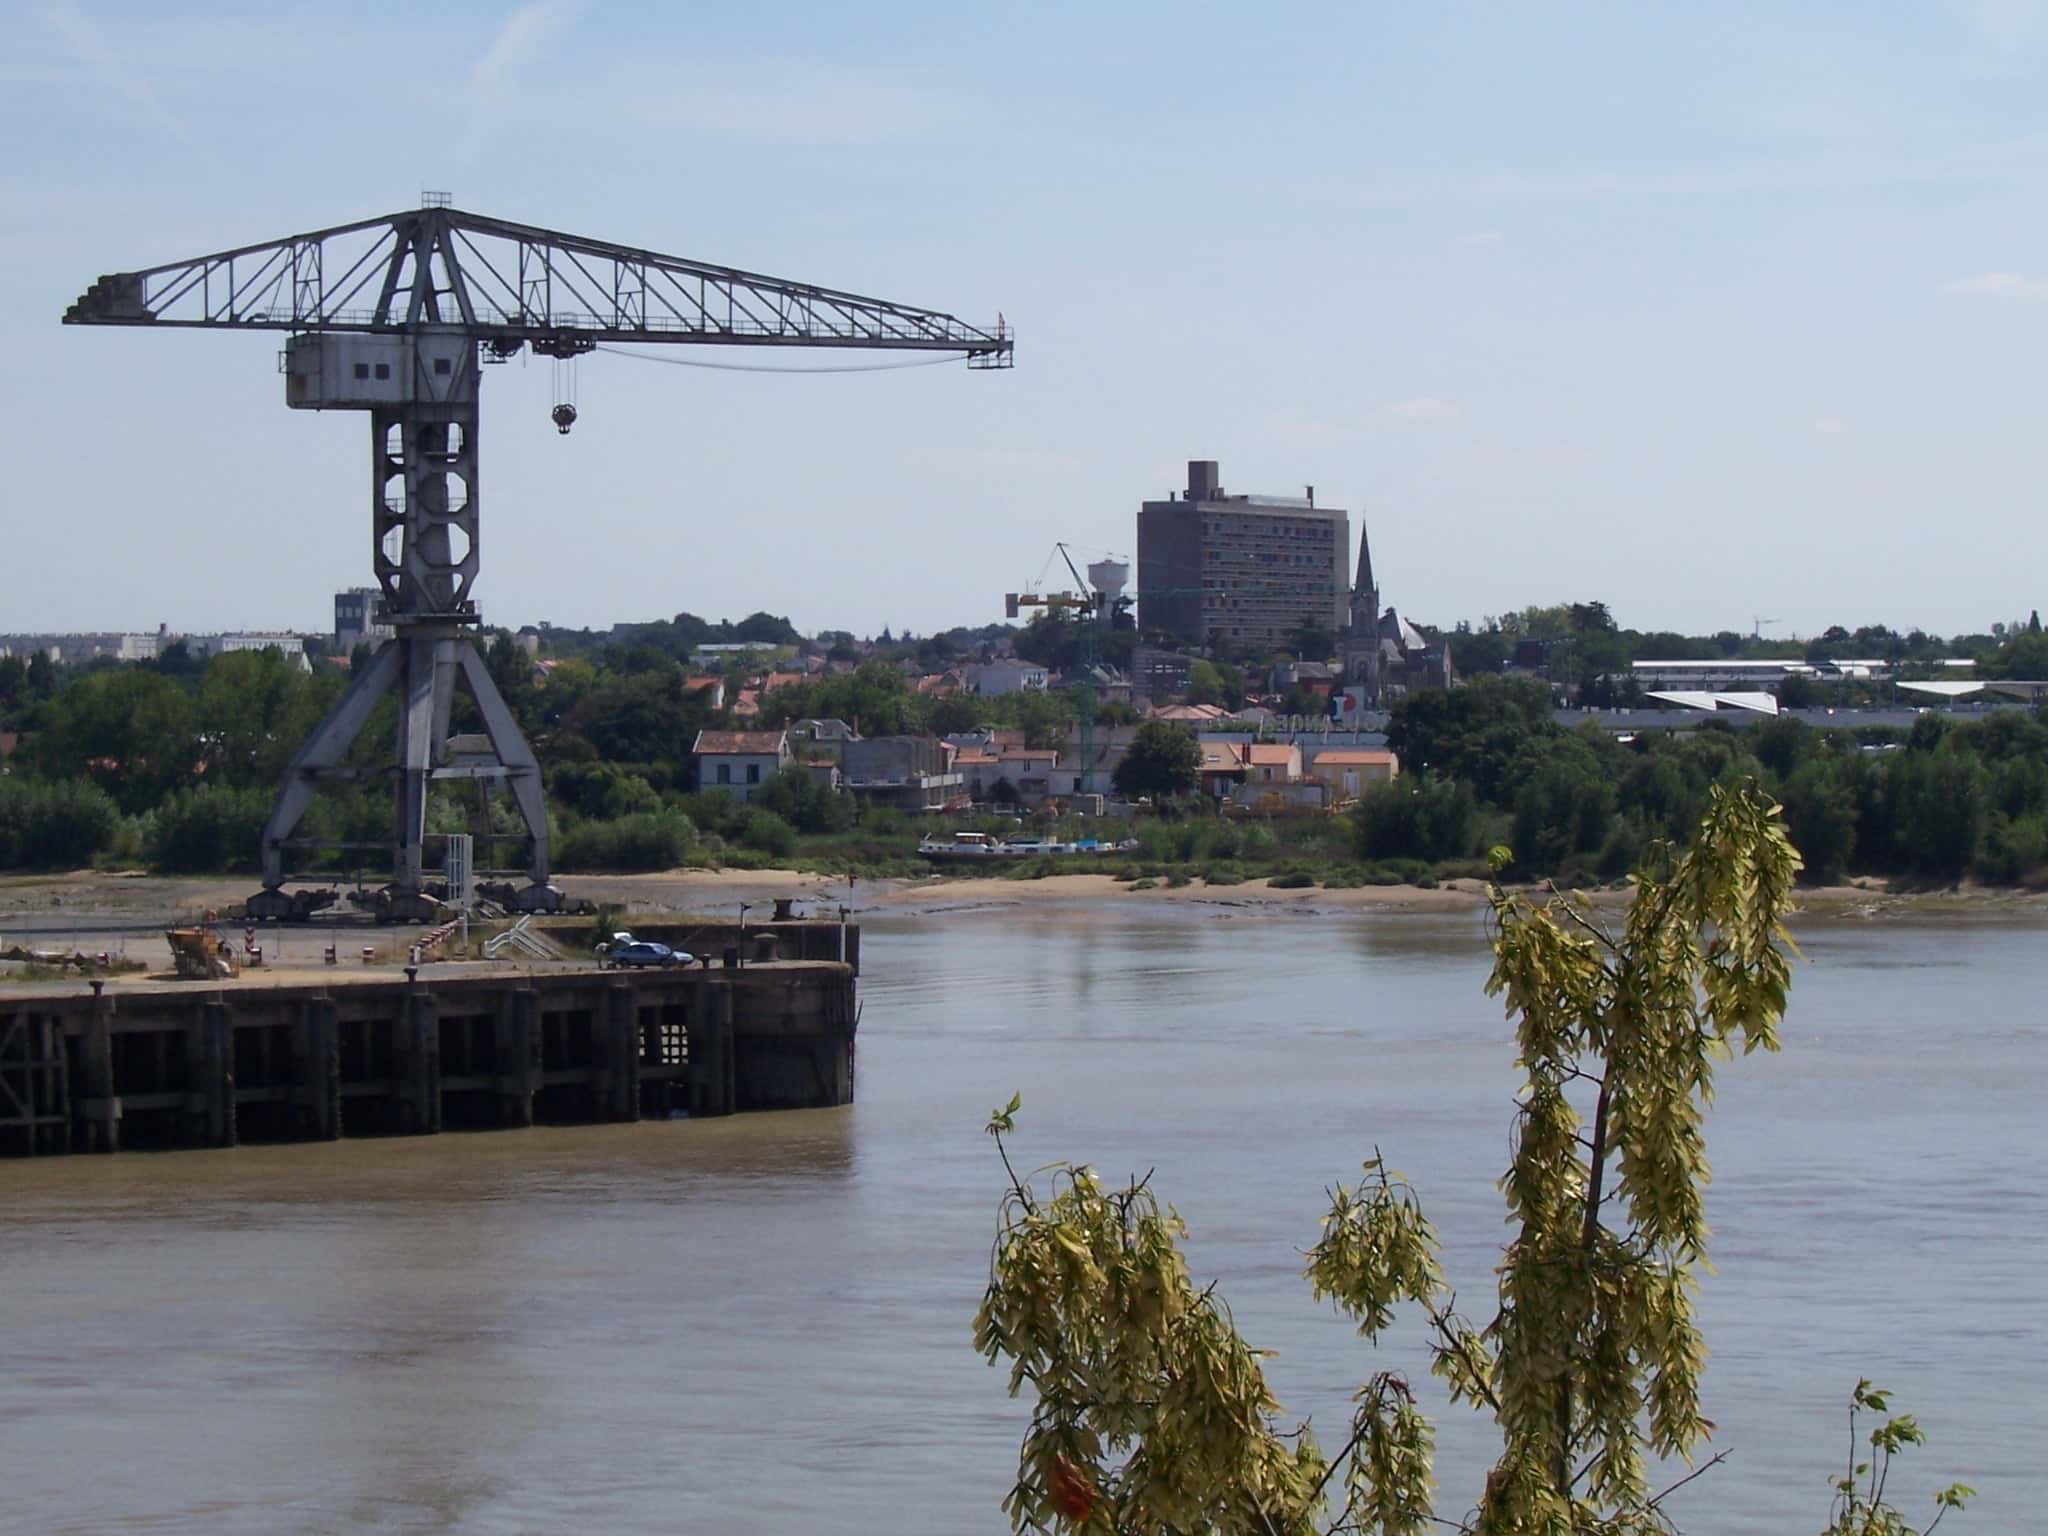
(1311, 642)
(794, 794)
(1215, 682)
(1820, 813)
(1474, 733)
(1938, 803)
(13, 686)
(61, 825)
(129, 730)
(1152, 1414)
(1162, 761)
(208, 830)
(1415, 816)
(1562, 807)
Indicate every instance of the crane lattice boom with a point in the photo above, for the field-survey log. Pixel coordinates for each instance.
(512, 285)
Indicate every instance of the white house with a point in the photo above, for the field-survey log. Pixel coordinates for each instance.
(1010, 675)
(738, 762)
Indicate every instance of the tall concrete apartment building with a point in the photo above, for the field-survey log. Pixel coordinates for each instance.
(1250, 570)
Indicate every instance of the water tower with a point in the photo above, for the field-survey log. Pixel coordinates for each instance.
(1108, 578)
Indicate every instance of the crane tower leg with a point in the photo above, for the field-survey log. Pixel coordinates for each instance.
(424, 552)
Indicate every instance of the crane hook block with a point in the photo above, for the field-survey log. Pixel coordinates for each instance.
(565, 418)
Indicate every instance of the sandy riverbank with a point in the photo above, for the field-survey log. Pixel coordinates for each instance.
(78, 898)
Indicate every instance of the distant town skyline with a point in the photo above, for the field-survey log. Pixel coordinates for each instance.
(1710, 318)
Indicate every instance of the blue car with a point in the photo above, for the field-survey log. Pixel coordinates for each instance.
(639, 952)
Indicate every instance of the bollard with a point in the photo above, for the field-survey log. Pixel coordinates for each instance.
(331, 960)
(369, 955)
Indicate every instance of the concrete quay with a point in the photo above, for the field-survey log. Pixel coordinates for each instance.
(93, 1067)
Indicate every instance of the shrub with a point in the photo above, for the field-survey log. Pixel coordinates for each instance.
(809, 806)
(649, 840)
(56, 825)
(1222, 874)
(2013, 848)
(209, 829)
(765, 832)
(1292, 880)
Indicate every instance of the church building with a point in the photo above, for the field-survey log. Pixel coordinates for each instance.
(1385, 657)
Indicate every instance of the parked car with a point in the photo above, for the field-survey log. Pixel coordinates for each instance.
(640, 952)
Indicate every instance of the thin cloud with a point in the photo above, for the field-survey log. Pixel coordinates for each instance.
(1420, 408)
(1479, 237)
(2001, 285)
(1830, 426)
(499, 72)
(89, 46)
(518, 42)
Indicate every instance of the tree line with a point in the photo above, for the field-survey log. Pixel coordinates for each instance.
(1489, 764)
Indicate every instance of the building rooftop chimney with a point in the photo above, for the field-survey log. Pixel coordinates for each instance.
(1202, 485)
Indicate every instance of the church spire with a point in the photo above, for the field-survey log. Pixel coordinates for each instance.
(1365, 592)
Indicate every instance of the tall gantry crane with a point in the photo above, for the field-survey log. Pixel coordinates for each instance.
(397, 317)
(1094, 600)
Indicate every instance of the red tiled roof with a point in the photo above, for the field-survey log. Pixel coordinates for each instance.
(1354, 757)
(1272, 754)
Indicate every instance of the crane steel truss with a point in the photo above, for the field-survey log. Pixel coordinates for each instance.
(395, 316)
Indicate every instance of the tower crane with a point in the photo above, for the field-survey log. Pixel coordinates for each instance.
(1095, 596)
(396, 317)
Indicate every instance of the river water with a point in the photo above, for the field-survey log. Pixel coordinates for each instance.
(762, 1324)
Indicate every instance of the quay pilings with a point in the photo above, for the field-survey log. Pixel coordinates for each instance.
(201, 1064)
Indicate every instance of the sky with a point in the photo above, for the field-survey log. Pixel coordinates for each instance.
(1731, 317)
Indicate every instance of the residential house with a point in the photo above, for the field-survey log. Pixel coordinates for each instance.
(1224, 766)
(1190, 714)
(738, 762)
(1273, 762)
(1350, 771)
(904, 773)
(978, 771)
(710, 689)
(1316, 678)
(1274, 782)
(1010, 675)
(1028, 770)
(821, 738)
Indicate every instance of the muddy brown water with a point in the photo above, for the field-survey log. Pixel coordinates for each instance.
(761, 1324)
